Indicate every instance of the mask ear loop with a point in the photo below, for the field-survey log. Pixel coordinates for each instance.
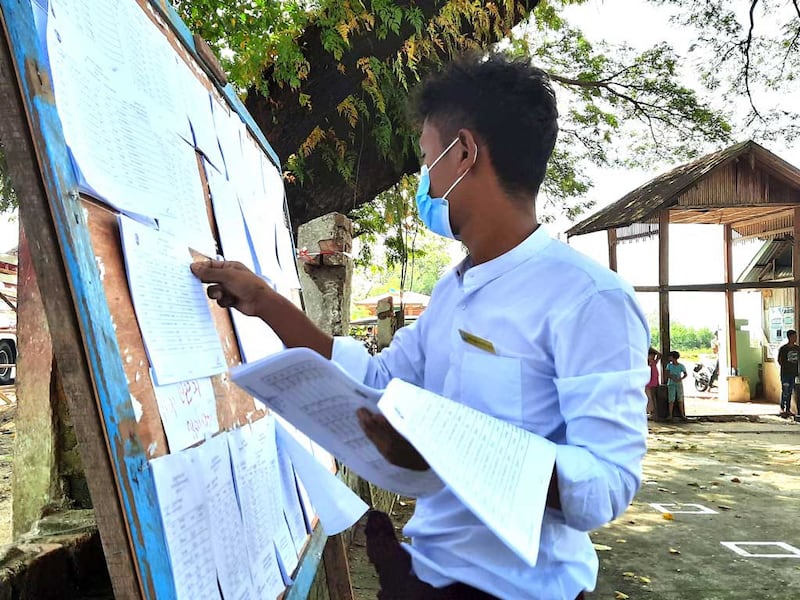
(444, 152)
(464, 174)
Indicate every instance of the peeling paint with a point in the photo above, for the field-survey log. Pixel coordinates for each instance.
(100, 266)
(152, 448)
(137, 377)
(129, 359)
(138, 411)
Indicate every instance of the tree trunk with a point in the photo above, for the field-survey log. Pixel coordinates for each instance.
(287, 124)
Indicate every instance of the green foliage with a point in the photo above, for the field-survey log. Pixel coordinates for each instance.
(682, 337)
(8, 198)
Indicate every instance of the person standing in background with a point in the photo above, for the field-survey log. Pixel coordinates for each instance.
(787, 359)
(653, 356)
(676, 373)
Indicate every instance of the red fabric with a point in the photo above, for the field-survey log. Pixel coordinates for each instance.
(653, 376)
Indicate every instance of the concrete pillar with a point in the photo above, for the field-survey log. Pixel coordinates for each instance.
(326, 272)
(386, 322)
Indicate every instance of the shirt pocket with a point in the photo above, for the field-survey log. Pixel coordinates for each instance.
(493, 385)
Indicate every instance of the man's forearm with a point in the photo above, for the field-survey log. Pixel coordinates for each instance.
(292, 325)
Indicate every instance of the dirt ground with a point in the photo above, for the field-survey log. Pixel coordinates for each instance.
(748, 473)
(746, 469)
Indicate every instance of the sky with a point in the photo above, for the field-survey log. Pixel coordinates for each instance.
(696, 252)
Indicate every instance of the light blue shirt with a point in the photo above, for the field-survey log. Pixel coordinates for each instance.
(570, 360)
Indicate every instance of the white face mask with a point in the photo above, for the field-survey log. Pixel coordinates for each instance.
(435, 212)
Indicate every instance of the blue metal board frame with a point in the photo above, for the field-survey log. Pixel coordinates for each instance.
(136, 488)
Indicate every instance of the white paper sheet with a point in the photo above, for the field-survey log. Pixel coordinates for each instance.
(184, 513)
(266, 444)
(198, 104)
(318, 398)
(188, 411)
(171, 307)
(258, 504)
(292, 505)
(256, 338)
(213, 462)
(185, 214)
(115, 130)
(290, 280)
(337, 506)
(494, 467)
(230, 129)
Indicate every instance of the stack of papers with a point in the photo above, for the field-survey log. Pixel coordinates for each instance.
(509, 475)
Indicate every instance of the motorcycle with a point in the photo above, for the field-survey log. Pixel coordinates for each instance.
(704, 377)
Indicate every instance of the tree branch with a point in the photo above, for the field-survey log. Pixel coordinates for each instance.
(747, 46)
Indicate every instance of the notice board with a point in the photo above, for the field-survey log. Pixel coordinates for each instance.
(132, 157)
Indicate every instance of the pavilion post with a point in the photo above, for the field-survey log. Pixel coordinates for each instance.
(730, 313)
(796, 263)
(663, 284)
(612, 249)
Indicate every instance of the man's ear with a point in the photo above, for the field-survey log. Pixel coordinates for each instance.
(468, 150)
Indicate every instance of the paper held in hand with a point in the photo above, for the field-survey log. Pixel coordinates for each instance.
(495, 468)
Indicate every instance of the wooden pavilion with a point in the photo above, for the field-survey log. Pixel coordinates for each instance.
(746, 188)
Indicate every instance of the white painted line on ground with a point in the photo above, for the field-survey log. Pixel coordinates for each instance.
(791, 551)
(698, 510)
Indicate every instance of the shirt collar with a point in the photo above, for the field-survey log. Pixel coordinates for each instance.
(473, 277)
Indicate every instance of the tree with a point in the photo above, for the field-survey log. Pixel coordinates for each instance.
(753, 51)
(328, 82)
(8, 199)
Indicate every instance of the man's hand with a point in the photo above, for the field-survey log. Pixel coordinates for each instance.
(233, 285)
(393, 446)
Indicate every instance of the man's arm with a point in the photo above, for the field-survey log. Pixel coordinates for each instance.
(234, 286)
(602, 401)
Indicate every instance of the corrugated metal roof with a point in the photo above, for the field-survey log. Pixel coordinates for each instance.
(642, 204)
(772, 262)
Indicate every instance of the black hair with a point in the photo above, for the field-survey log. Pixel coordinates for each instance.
(675, 354)
(509, 104)
(791, 332)
(652, 351)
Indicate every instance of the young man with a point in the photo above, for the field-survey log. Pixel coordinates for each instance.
(787, 359)
(499, 336)
(676, 373)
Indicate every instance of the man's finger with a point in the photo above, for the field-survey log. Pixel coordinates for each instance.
(212, 271)
(215, 292)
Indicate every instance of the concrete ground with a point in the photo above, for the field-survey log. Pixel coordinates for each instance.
(734, 482)
(731, 475)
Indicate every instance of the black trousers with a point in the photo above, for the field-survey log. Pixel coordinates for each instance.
(393, 565)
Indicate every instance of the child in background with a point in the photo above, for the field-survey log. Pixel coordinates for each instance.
(653, 356)
(676, 373)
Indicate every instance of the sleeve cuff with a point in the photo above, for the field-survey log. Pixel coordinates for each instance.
(351, 355)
